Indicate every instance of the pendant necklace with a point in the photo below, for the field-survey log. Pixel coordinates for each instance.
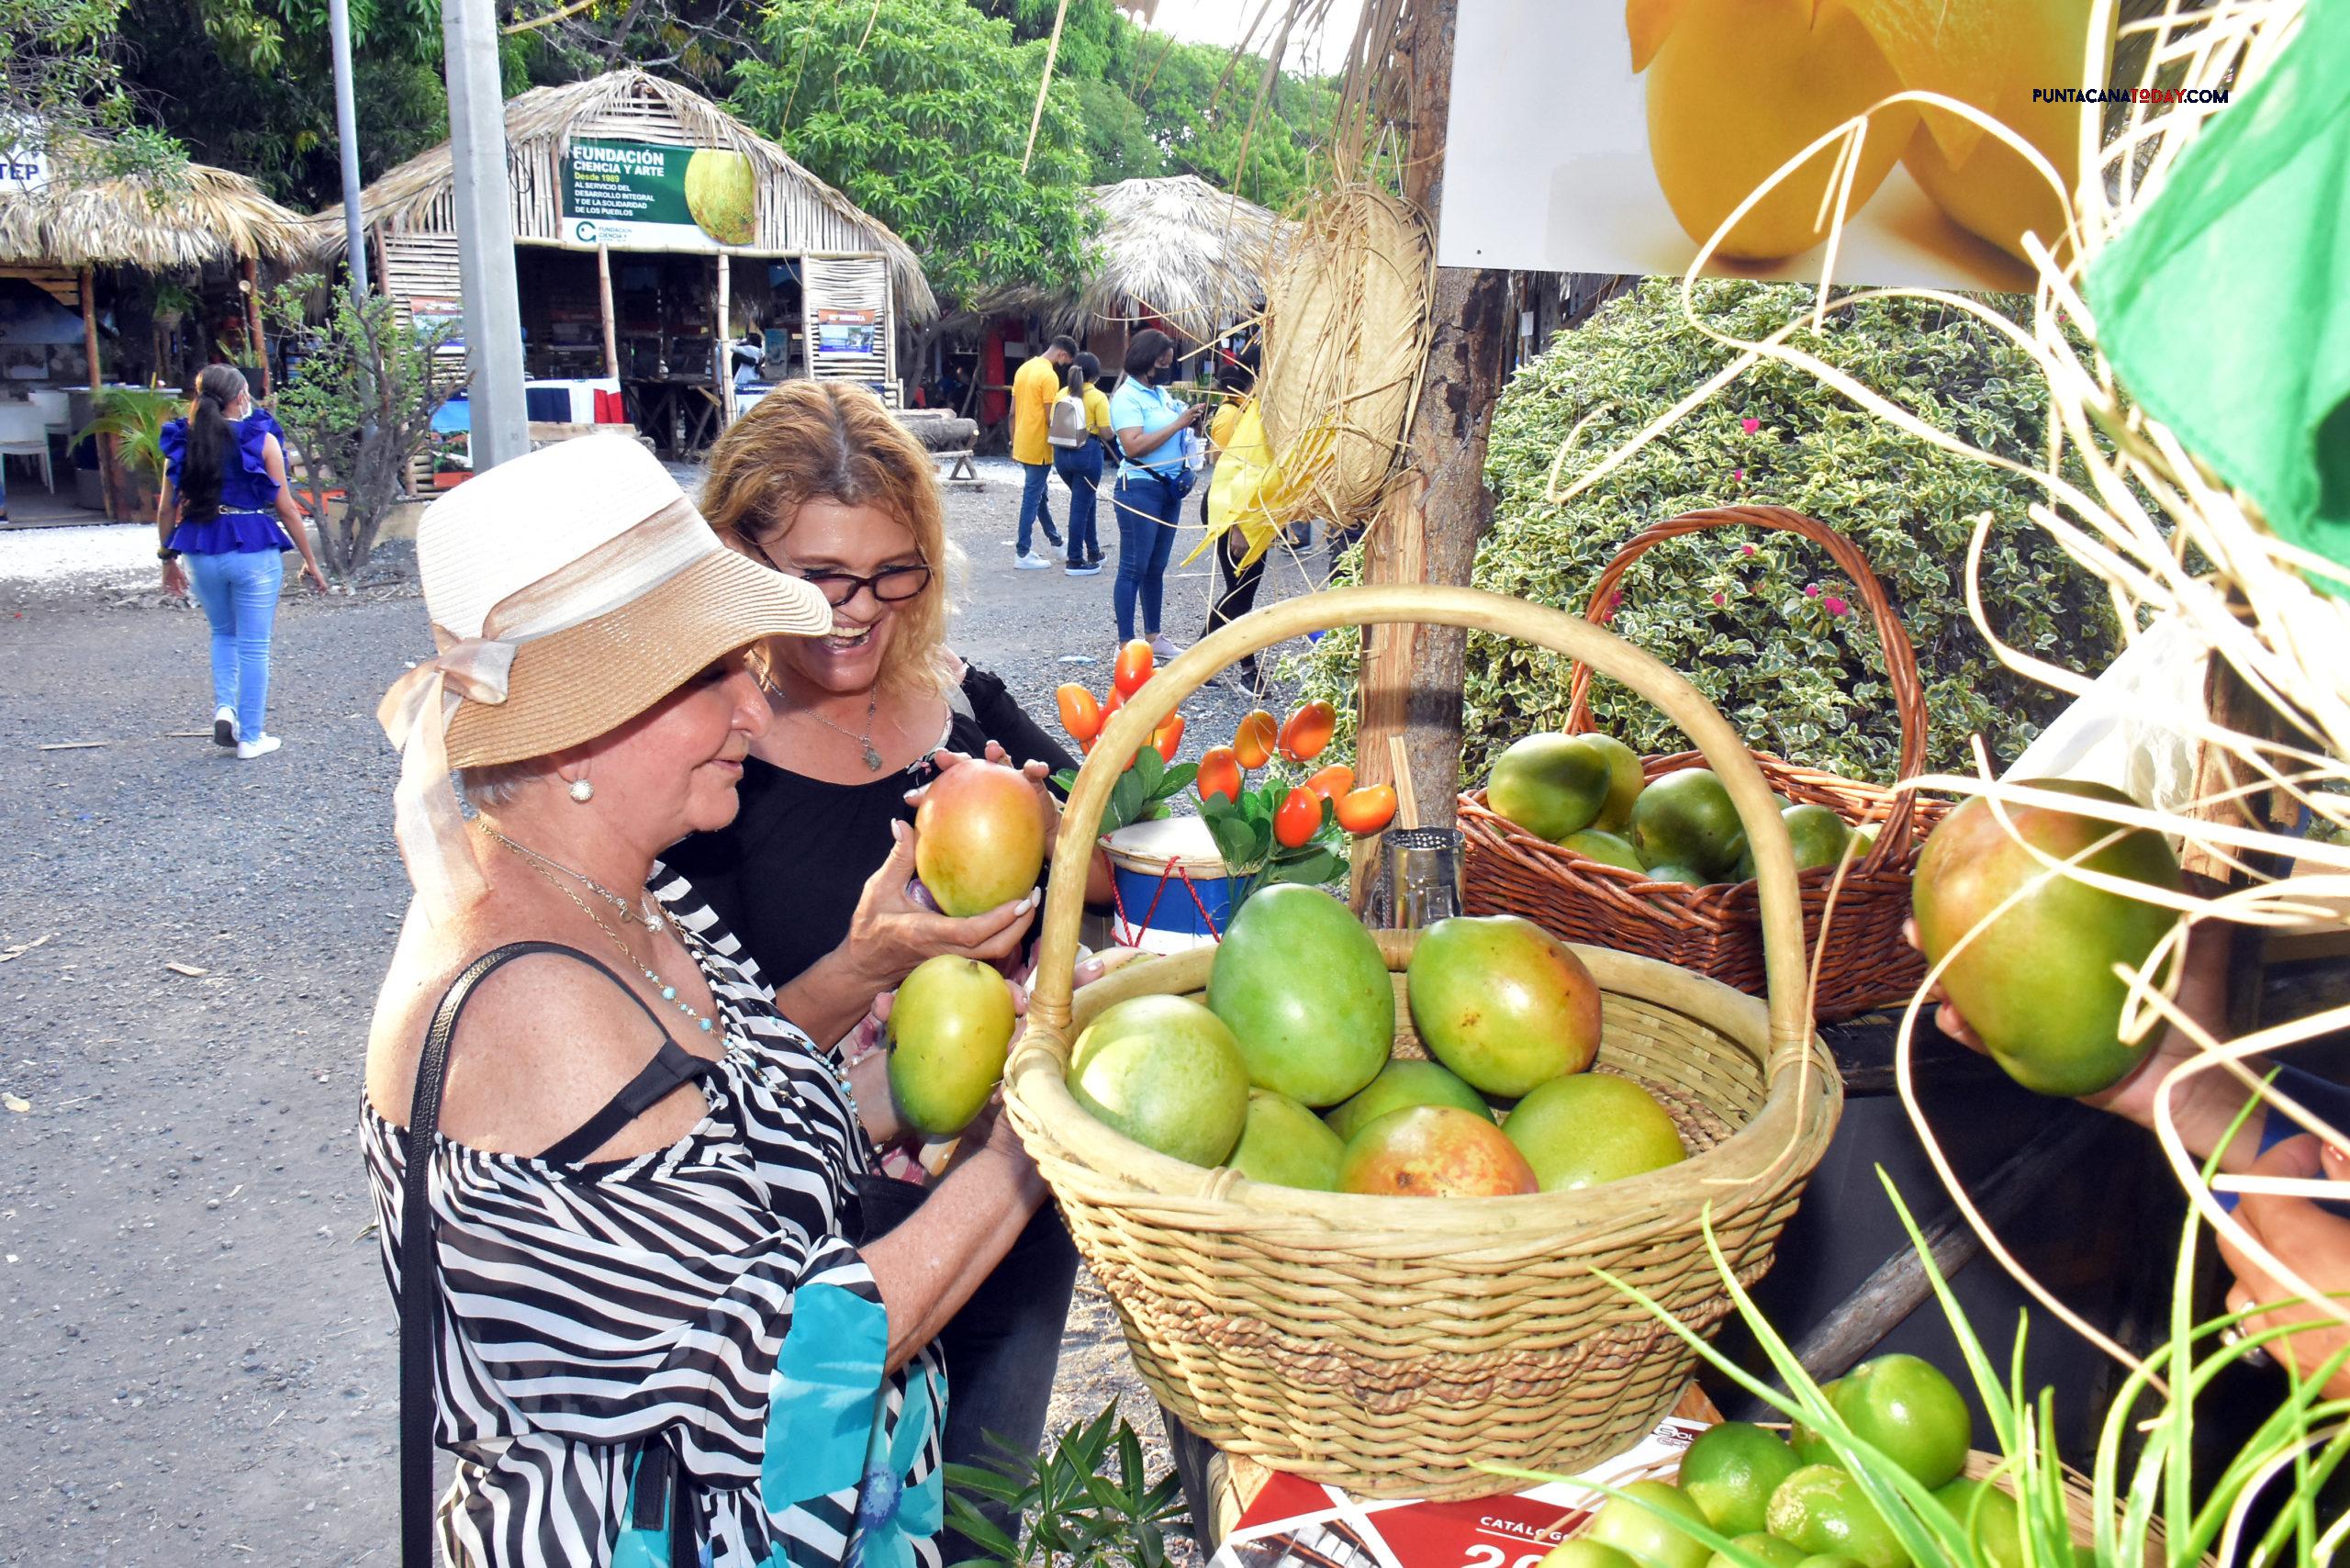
(872, 758)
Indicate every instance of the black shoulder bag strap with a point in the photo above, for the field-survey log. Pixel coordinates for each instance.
(420, 1303)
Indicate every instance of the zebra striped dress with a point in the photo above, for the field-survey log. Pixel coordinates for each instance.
(705, 1295)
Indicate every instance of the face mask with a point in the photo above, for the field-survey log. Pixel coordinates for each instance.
(1161, 374)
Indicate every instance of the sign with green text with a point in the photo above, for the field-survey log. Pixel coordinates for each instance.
(640, 196)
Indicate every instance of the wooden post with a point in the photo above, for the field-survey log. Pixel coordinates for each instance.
(252, 322)
(604, 298)
(1428, 531)
(725, 355)
(90, 348)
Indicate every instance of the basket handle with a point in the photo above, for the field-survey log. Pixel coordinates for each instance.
(1900, 658)
(1130, 728)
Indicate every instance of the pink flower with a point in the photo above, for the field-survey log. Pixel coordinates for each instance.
(1811, 592)
(1613, 601)
(1835, 606)
(1738, 476)
(1747, 549)
(1749, 424)
(1720, 599)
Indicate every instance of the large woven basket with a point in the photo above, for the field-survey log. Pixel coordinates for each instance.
(1386, 1345)
(1718, 930)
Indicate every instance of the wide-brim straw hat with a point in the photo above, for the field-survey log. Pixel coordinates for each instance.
(570, 590)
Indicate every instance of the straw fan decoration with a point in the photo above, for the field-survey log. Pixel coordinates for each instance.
(1345, 338)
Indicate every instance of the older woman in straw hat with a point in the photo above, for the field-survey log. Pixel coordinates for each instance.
(619, 1194)
(815, 874)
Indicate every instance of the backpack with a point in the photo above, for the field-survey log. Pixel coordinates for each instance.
(1066, 424)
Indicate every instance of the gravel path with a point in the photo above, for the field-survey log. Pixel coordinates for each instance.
(202, 1361)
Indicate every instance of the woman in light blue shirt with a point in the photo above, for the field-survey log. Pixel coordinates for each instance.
(1152, 478)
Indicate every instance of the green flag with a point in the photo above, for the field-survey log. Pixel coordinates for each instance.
(2225, 305)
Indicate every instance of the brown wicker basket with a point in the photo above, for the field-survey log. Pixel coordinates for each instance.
(1715, 930)
(1387, 1345)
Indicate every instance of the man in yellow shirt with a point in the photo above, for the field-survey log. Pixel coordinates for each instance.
(1034, 388)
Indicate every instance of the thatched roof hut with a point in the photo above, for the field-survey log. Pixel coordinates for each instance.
(799, 215)
(1176, 248)
(212, 216)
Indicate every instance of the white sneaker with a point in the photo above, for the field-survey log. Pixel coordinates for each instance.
(1164, 649)
(1031, 562)
(260, 745)
(224, 727)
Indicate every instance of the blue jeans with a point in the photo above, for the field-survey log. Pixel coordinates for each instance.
(239, 593)
(1149, 512)
(1081, 469)
(1033, 506)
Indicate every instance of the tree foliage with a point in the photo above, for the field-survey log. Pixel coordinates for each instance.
(250, 86)
(1151, 105)
(62, 93)
(1760, 621)
(357, 409)
(918, 110)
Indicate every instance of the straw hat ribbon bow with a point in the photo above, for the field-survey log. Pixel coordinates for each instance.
(415, 714)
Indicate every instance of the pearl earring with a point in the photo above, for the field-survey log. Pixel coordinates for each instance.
(582, 791)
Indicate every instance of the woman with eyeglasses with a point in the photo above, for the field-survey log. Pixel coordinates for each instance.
(815, 875)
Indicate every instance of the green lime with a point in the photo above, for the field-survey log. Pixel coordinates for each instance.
(1730, 1472)
(1685, 819)
(1757, 1544)
(1666, 871)
(1991, 1519)
(1608, 848)
(1586, 1554)
(1810, 1445)
(1821, 1508)
(1907, 1410)
(1863, 840)
(1644, 1523)
(1818, 834)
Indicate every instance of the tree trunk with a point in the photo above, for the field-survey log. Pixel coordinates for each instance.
(1429, 529)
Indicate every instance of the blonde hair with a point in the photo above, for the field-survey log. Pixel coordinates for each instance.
(826, 441)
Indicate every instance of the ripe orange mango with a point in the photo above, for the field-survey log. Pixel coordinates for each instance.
(1737, 87)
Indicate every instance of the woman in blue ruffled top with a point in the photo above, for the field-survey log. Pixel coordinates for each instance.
(226, 517)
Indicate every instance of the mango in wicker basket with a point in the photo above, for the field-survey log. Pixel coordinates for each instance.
(1434, 1151)
(1687, 819)
(1502, 1002)
(1286, 1145)
(1593, 1127)
(2038, 984)
(1400, 1084)
(1166, 1073)
(1300, 985)
(1551, 785)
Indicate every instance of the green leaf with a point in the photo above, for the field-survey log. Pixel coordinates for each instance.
(1236, 840)
(1150, 768)
(1126, 800)
(1065, 780)
(1178, 779)
(1313, 868)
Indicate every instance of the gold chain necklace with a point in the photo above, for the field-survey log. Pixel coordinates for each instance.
(533, 858)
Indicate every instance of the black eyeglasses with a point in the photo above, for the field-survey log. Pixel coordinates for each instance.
(893, 584)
